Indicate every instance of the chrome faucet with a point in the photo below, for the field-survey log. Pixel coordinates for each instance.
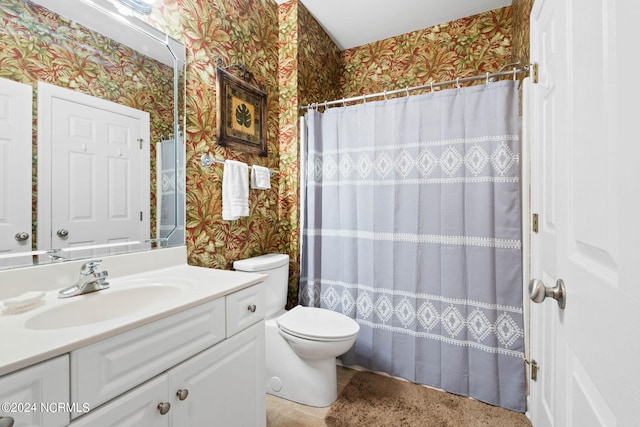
(90, 280)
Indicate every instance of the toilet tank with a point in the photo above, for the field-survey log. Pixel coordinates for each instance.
(276, 266)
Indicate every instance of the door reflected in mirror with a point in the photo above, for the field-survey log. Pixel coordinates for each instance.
(117, 178)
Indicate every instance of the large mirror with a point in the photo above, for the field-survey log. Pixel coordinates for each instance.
(91, 149)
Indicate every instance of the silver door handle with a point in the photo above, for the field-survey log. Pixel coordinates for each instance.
(62, 233)
(22, 236)
(538, 292)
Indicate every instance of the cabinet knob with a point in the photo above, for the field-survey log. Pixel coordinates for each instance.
(6, 422)
(164, 407)
(182, 394)
(252, 308)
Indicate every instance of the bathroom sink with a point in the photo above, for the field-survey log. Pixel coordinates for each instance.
(107, 304)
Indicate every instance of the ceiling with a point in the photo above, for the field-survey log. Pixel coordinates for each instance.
(352, 23)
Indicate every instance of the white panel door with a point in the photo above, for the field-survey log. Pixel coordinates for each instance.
(548, 124)
(99, 170)
(15, 169)
(586, 189)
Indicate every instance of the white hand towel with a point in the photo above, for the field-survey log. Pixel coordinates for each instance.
(260, 178)
(235, 190)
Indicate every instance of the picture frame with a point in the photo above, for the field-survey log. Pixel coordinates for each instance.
(241, 114)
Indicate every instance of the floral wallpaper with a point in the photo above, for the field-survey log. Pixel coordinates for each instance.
(284, 47)
(38, 45)
(287, 113)
(309, 64)
(320, 62)
(237, 32)
(460, 48)
(521, 12)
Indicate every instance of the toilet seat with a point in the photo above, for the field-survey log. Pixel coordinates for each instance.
(317, 324)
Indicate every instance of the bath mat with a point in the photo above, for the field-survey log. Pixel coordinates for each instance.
(376, 400)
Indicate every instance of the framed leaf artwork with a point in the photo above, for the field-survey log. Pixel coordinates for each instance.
(241, 114)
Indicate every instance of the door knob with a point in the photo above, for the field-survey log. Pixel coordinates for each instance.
(538, 292)
(62, 233)
(22, 236)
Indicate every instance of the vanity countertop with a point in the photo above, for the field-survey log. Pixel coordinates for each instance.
(22, 346)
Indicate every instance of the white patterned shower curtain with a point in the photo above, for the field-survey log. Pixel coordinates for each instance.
(412, 227)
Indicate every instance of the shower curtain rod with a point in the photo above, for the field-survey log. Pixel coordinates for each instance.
(489, 77)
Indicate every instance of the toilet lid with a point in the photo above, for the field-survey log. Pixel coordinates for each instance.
(317, 324)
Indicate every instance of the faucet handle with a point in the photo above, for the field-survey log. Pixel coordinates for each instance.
(89, 267)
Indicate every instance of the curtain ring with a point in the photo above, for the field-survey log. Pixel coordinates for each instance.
(407, 90)
(514, 73)
(432, 87)
(325, 105)
(487, 82)
(385, 94)
(364, 99)
(458, 82)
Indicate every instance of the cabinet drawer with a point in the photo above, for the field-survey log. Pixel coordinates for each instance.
(47, 384)
(106, 369)
(244, 308)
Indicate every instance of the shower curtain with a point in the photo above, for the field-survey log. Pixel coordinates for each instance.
(411, 226)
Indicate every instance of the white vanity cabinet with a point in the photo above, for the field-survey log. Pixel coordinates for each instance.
(33, 396)
(108, 368)
(222, 385)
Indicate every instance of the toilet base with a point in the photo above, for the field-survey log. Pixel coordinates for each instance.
(310, 382)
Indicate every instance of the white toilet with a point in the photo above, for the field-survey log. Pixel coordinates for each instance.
(301, 344)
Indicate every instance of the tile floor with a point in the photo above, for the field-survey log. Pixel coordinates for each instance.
(284, 413)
